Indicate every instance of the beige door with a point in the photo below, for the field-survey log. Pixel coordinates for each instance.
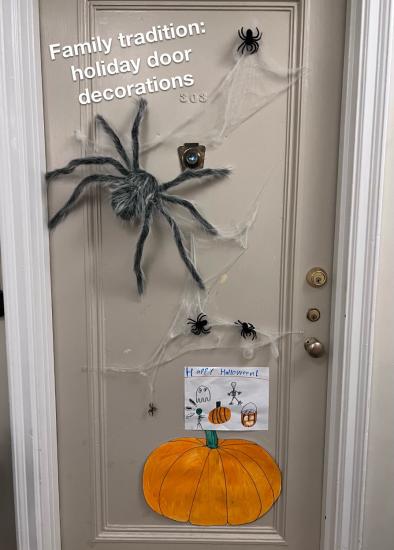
(288, 149)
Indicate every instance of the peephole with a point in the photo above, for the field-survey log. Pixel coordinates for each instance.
(191, 156)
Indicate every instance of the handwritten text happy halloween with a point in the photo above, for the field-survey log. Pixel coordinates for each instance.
(191, 372)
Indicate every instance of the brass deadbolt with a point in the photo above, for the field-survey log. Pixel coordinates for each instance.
(317, 277)
(313, 314)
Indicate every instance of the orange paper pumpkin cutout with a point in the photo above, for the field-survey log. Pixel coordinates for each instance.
(211, 482)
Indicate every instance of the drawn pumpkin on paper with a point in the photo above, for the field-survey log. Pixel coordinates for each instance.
(219, 415)
(211, 482)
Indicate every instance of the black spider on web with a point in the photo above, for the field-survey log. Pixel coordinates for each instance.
(199, 325)
(247, 329)
(136, 194)
(249, 40)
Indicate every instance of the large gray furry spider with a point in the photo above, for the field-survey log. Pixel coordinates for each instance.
(136, 194)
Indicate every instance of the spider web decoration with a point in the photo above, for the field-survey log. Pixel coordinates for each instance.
(137, 194)
(224, 334)
(251, 84)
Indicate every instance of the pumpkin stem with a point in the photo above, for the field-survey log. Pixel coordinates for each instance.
(211, 439)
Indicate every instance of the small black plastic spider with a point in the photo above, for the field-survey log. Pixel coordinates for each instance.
(199, 325)
(136, 194)
(249, 40)
(152, 409)
(247, 329)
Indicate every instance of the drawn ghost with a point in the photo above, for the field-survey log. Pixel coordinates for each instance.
(203, 394)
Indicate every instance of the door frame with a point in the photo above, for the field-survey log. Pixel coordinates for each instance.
(27, 290)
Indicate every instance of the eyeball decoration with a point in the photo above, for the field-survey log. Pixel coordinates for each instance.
(248, 352)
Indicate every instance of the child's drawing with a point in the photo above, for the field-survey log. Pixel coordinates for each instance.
(234, 394)
(241, 395)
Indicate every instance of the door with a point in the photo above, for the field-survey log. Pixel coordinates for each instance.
(284, 161)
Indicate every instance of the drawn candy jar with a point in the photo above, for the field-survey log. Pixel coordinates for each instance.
(249, 415)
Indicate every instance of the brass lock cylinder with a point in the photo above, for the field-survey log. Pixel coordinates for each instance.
(317, 277)
(313, 314)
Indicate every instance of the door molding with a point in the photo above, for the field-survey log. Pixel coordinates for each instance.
(26, 273)
(26, 279)
(366, 92)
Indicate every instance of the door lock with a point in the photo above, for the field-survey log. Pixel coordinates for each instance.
(317, 277)
(313, 314)
(314, 347)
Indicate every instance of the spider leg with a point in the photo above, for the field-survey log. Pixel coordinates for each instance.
(82, 185)
(135, 131)
(242, 35)
(239, 34)
(140, 248)
(243, 48)
(87, 161)
(115, 139)
(193, 211)
(181, 247)
(215, 173)
(257, 37)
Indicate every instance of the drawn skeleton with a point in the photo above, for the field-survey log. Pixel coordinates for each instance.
(234, 394)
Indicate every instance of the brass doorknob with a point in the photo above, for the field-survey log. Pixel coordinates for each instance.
(314, 347)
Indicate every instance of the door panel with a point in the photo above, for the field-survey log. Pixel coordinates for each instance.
(290, 150)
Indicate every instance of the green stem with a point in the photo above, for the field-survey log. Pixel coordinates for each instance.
(211, 439)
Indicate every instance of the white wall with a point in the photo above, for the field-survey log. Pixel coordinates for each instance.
(379, 518)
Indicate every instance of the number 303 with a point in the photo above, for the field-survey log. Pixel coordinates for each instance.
(193, 98)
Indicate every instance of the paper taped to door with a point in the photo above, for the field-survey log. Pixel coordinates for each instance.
(226, 398)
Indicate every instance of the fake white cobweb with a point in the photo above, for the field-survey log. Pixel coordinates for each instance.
(251, 84)
(225, 334)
